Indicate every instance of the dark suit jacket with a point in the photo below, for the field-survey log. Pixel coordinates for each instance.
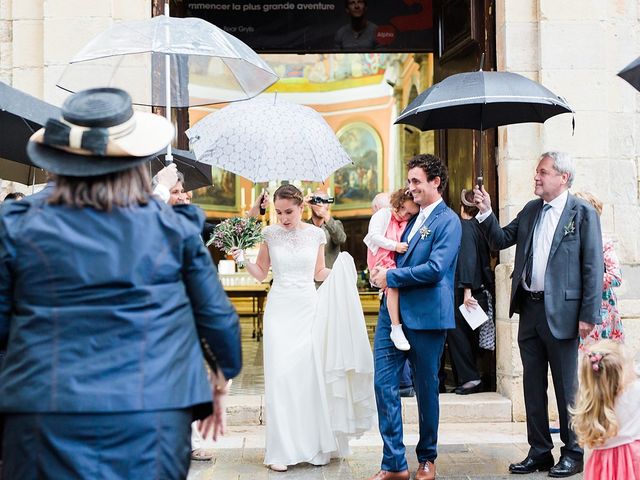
(575, 268)
(425, 273)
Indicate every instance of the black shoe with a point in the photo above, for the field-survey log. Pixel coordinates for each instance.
(530, 465)
(407, 392)
(461, 390)
(566, 467)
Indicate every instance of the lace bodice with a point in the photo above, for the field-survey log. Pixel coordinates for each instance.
(293, 254)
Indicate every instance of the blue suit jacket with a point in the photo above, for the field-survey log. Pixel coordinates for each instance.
(425, 273)
(105, 311)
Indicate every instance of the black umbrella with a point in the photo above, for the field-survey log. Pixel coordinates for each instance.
(481, 100)
(196, 174)
(21, 173)
(631, 73)
(20, 116)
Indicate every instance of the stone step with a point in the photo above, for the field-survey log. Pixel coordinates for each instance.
(488, 407)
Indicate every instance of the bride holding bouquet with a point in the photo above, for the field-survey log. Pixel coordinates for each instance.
(312, 402)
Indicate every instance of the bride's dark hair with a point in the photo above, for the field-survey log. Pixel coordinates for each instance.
(289, 192)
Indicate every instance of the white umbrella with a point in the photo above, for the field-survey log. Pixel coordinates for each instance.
(166, 61)
(267, 139)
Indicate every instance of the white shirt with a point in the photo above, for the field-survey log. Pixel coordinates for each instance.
(627, 409)
(422, 217)
(545, 239)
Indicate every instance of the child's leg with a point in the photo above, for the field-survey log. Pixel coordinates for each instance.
(393, 305)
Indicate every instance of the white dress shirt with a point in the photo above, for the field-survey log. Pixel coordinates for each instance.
(422, 216)
(545, 239)
(543, 246)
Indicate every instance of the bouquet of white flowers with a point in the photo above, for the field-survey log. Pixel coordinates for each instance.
(236, 232)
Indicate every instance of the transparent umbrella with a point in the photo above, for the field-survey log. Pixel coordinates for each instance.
(266, 139)
(166, 61)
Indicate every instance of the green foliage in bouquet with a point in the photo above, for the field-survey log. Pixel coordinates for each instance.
(239, 232)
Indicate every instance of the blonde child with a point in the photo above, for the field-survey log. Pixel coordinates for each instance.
(606, 417)
(383, 241)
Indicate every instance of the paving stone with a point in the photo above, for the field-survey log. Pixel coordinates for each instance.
(486, 460)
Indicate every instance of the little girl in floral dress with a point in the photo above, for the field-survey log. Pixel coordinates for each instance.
(611, 326)
(383, 241)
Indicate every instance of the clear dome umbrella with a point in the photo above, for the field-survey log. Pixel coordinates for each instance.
(169, 62)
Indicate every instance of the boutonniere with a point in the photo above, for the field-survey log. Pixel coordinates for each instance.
(424, 233)
(569, 228)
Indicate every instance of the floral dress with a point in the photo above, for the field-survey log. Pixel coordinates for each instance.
(611, 326)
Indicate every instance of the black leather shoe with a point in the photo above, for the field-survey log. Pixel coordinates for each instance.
(466, 391)
(407, 392)
(566, 467)
(530, 465)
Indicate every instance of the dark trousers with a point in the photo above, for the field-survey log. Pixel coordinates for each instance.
(425, 353)
(463, 342)
(406, 381)
(539, 350)
(98, 446)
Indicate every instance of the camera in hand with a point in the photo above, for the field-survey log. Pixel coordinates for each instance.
(317, 199)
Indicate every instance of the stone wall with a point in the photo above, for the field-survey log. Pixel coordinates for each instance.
(38, 38)
(575, 48)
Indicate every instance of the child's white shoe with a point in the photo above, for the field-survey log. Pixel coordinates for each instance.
(398, 338)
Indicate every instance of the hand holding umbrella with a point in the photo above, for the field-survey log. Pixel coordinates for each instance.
(482, 199)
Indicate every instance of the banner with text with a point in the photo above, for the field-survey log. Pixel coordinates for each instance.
(323, 26)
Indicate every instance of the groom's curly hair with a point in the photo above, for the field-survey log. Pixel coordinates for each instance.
(433, 167)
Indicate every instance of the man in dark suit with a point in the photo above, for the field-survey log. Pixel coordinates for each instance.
(424, 276)
(556, 288)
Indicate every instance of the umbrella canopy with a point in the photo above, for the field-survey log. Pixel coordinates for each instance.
(206, 64)
(196, 174)
(482, 100)
(631, 73)
(20, 116)
(268, 139)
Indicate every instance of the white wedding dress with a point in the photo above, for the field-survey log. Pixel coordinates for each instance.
(298, 403)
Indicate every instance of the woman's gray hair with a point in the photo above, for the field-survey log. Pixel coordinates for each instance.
(562, 163)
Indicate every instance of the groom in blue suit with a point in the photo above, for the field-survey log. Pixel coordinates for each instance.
(424, 275)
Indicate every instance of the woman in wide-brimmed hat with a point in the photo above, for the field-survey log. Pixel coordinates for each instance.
(106, 297)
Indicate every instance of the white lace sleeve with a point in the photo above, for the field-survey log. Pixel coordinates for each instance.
(321, 236)
(267, 234)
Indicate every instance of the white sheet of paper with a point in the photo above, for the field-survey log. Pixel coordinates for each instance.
(475, 317)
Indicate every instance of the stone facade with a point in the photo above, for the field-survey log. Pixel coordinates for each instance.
(38, 38)
(575, 48)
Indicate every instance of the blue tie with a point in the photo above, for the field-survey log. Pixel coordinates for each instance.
(536, 237)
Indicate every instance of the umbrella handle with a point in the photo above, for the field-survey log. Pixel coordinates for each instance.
(167, 81)
(262, 210)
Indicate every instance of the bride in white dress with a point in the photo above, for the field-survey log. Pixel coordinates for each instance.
(298, 424)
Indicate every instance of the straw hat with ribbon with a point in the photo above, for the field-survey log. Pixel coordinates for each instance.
(99, 133)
